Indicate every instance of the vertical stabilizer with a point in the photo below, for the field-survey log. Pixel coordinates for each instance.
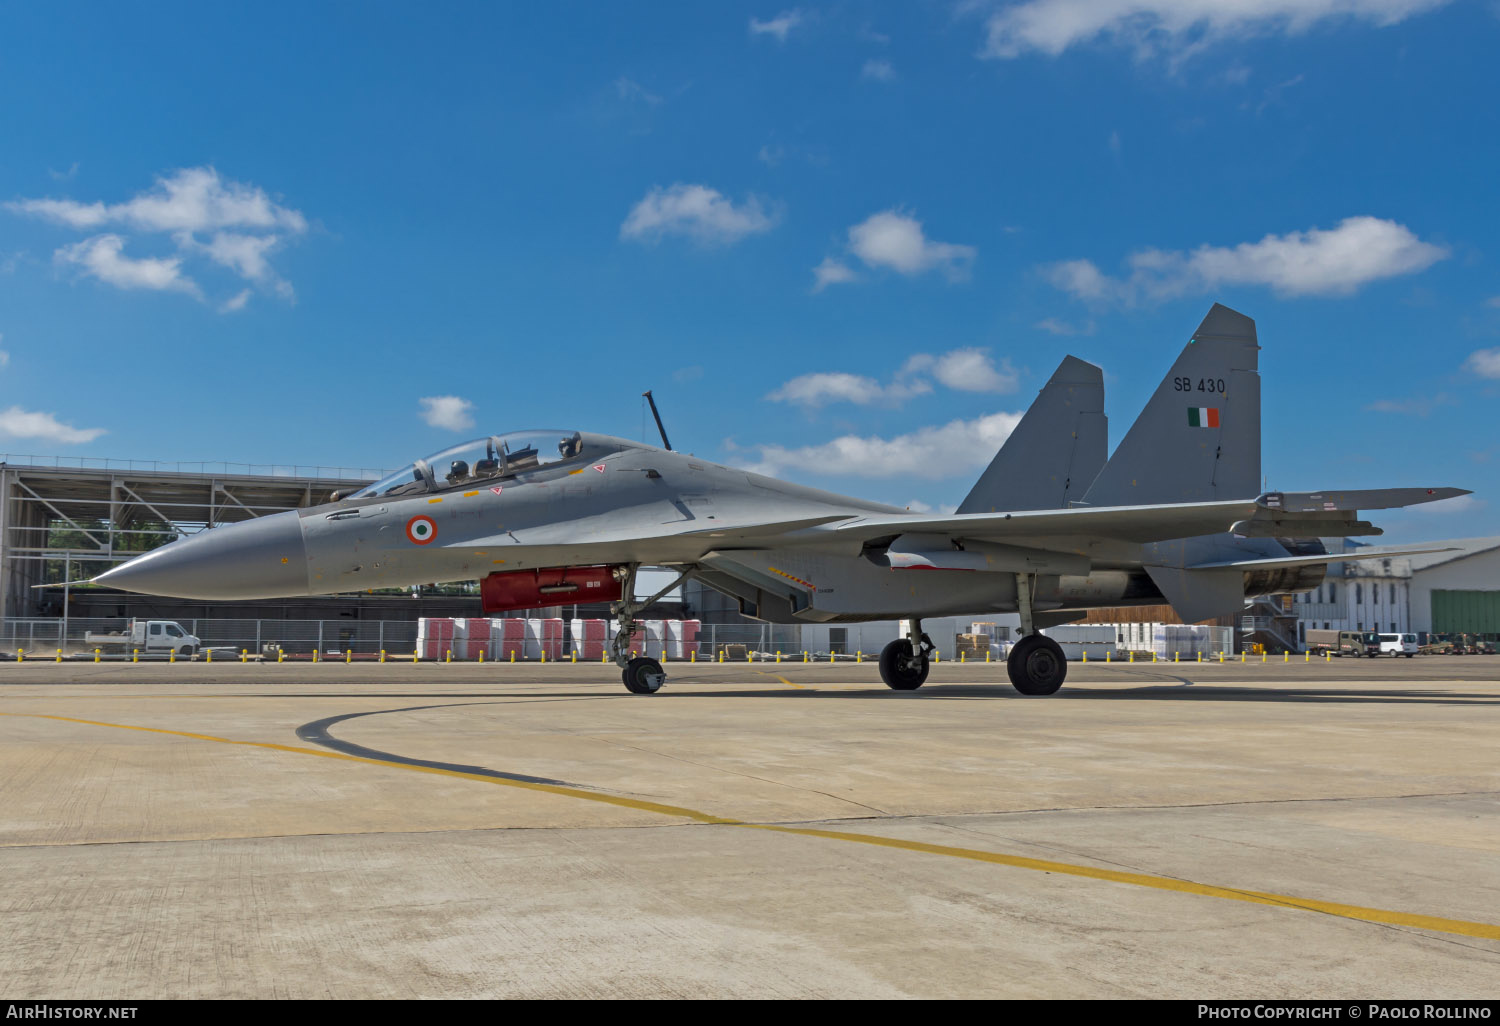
(1198, 439)
(1054, 452)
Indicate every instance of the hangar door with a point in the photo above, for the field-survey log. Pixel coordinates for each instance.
(1466, 612)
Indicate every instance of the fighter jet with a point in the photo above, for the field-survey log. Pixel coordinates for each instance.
(1050, 530)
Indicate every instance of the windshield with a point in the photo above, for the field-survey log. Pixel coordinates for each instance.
(477, 462)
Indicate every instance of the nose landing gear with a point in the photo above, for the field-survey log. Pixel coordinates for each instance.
(642, 675)
(904, 662)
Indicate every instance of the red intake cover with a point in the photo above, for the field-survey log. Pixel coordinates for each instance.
(558, 586)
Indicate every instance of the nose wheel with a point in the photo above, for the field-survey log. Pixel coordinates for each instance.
(1036, 665)
(904, 668)
(643, 676)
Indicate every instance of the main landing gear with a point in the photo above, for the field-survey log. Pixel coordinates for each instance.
(904, 662)
(642, 675)
(1036, 664)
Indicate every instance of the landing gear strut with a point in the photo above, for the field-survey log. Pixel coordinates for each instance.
(904, 662)
(1036, 663)
(642, 675)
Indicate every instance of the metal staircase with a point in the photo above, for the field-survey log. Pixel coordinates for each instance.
(1267, 621)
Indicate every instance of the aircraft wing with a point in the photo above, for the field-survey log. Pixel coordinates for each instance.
(1273, 514)
(1373, 552)
(1126, 523)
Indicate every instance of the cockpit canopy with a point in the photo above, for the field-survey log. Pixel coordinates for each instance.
(482, 461)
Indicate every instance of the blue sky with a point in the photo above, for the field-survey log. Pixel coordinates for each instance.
(844, 243)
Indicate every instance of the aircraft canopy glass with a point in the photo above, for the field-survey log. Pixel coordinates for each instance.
(478, 462)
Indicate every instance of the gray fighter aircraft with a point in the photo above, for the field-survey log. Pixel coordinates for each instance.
(1050, 530)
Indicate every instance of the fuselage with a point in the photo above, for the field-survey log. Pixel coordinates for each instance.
(610, 501)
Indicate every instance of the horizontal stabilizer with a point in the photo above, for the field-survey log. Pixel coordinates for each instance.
(1201, 593)
(1371, 552)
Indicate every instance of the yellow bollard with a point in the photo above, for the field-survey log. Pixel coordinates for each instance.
(413, 656)
(1175, 657)
(830, 657)
(59, 654)
(804, 655)
(575, 655)
(937, 656)
(1328, 657)
(1132, 656)
(244, 655)
(1106, 655)
(693, 656)
(1286, 657)
(1242, 657)
(1307, 656)
(315, 655)
(208, 654)
(348, 656)
(1262, 657)
(513, 656)
(382, 655)
(96, 655)
(280, 654)
(1200, 657)
(721, 655)
(963, 656)
(603, 658)
(20, 655)
(450, 656)
(778, 656)
(544, 656)
(1153, 655)
(172, 655)
(1221, 658)
(859, 656)
(1085, 655)
(986, 655)
(135, 656)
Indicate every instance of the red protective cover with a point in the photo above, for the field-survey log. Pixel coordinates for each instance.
(522, 589)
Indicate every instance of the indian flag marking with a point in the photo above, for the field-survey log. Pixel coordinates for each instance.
(1203, 416)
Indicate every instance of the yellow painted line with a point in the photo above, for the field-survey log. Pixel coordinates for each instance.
(783, 680)
(578, 471)
(470, 495)
(525, 785)
(1438, 924)
(434, 500)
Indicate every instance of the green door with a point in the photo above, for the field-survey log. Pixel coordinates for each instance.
(1466, 612)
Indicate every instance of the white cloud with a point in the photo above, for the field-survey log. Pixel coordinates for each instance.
(1493, 301)
(958, 447)
(967, 370)
(770, 155)
(895, 240)
(779, 26)
(103, 257)
(1319, 261)
(191, 199)
(243, 223)
(235, 302)
(628, 89)
(1173, 26)
(832, 272)
(1457, 504)
(878, 70)
(1421, 406)
(701, 213)
(18, 423)
(447, 411)
(1061, 327)
(821, 389)
(1484, 362)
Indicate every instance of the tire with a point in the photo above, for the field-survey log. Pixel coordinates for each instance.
(1036, 665)
(186, 650)
(1408, 655)
(637, 676)
(897, 669)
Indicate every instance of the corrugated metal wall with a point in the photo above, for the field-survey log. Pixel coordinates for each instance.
(1466, 612)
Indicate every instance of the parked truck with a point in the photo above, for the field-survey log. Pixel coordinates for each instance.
(1343, 643)
(146, 636)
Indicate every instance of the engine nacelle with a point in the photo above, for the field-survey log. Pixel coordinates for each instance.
(555, 586)
(1290, 580)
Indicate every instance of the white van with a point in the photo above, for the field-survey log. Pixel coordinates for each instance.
(1398, 645)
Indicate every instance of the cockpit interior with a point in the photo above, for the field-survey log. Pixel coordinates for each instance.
(481, 461)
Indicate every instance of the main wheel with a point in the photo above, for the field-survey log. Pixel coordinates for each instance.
(186, 650)
(643, 676)
(1036, 665)
(901, 670)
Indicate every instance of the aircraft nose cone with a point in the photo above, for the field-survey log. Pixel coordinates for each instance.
(260, 558)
